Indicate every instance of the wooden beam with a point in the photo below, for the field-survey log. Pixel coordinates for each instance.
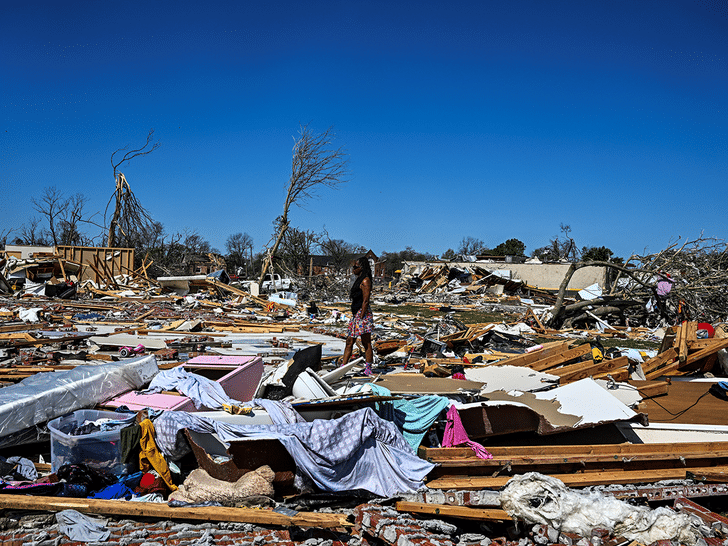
(692, 333)
(713, 476)
(63, 269)
(525, 359)
(626, 450)
(700, 344)
(581, 370)
(682, 342)
(462, 512)
(656, 362)
(621, 375)
(549, 459)
(656, 389)
(698, 355)
(586, 479)
(561, 358)
(162, 511)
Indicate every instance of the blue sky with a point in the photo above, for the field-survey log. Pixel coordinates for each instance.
(485, 119)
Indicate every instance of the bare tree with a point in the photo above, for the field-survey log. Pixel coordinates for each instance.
(471, 246)
(52, 205)
(296, 247)
(315, 164)
(339, 250)
(32, 234)
(236, 246)
(71, 217)
(4, 234)
(129, 215)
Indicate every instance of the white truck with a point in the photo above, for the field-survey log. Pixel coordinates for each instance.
(274, 283)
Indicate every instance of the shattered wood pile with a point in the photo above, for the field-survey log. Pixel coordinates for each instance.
(681, 282)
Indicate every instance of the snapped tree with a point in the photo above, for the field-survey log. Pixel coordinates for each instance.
(683, 281)
(129, 216)
(315, 163)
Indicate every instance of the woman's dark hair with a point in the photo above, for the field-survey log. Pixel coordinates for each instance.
(366, 269)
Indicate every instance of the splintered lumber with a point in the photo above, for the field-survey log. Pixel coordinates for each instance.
(670, 369)
(692, 362)
(22, 327)
(650, 367)
(526, 359)
(462, 512)
(585, 479)
(682, 342)
(561, 358)
(620, 376)
(162, 511)
(531, 314)
(255, 329)
(693, 358)
(668, 339)
(581, 370)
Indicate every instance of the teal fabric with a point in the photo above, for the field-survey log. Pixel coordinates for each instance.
(413, 417)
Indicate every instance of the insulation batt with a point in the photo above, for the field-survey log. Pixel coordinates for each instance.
(200, 487)
(536, 498)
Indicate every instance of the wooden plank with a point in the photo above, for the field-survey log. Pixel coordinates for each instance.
(524, 359)
(670, 369)
(531, 314)
(661, 359)
(657, 389)
(713, 476)
(17, 336)
(22, 327)
(583, 458)
(462, 512)
(618, 375)
(580, 370)
(576, 450)
(692, 333)
(699, 344)
(63, 269)
(162, 511)
(586, 479)
(682, 342)
(561, 358)
(698, 355)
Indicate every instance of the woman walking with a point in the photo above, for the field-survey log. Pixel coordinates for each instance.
(362, 320)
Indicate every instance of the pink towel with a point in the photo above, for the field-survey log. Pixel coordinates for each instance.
(455, 435)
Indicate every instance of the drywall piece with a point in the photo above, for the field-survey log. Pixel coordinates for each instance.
(578, 405)
(508, 378)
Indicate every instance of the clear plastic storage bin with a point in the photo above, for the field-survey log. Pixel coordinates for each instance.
(100, 449)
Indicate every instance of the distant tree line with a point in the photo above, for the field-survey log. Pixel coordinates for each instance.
(316, 164)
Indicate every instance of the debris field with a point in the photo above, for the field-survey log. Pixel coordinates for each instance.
(584, 405)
